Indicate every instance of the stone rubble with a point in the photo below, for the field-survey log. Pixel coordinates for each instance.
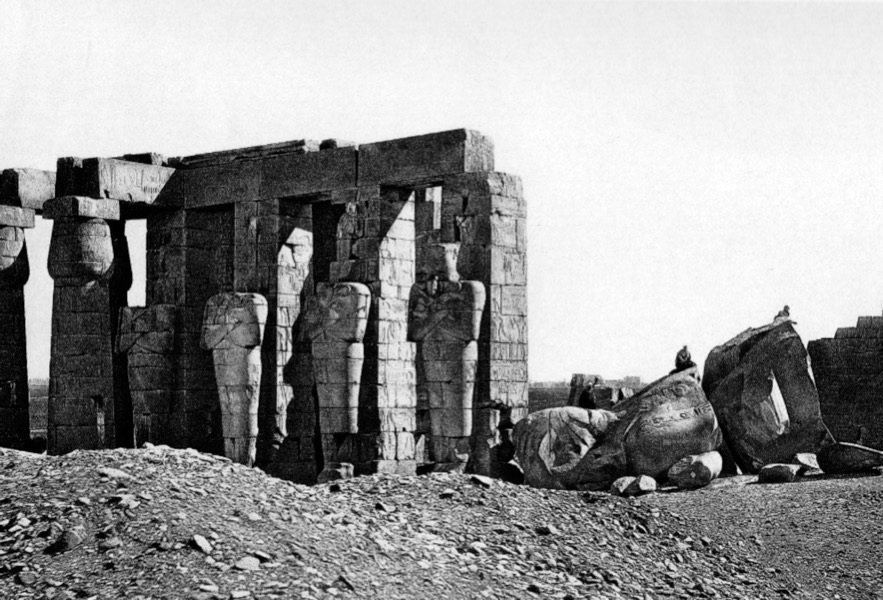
(443, 535)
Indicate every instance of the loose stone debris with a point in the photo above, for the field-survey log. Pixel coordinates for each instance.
(448, 535)
(445, 535)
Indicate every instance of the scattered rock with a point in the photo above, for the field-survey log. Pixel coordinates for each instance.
(335, 472)
(26, 578)
(778, 473)
(807, 460)
(696, 470)
(248, 563)
(68, 540)
(618, 487)
(113, 473)
(482, 480)
(200, 543)
(642, 484)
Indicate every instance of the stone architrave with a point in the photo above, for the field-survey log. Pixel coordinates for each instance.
(335, 323)
(147, 336)
(444, 318)
(14, 273)
(763, 393)
(233, 328)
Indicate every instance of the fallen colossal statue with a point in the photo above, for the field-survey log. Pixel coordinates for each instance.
(575, 448)
(763, 393)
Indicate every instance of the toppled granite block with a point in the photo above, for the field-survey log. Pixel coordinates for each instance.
(763, 393)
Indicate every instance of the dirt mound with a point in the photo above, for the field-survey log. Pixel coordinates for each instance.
(161, 523)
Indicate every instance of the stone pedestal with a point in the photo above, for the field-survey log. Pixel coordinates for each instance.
(14, 273)
(233, 327)
(147, 337)
(88, 261)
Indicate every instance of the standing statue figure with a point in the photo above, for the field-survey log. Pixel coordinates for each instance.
(443, 318)
(233, 328)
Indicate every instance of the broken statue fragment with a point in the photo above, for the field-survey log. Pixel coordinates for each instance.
(574, 448)
(763, 393)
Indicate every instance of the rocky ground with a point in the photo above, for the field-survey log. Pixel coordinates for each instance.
(160, 523)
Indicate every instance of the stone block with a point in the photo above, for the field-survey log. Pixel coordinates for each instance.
(309, 173)
(26, 188)
(13, 216)
(113, 179)
(82, 207)
(426, 158)
(223, 184)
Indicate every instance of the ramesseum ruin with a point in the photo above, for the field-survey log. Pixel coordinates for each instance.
(328, 309)
(307, 304)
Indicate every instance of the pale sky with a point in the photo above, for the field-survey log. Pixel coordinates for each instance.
(689, 168)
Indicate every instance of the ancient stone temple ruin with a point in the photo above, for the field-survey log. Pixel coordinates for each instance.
(848, 369)
(307, 304)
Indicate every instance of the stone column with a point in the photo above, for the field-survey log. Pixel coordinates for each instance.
(444, 319)
(335, 323)
(147, 336)
(14, 273)
(233, 327)
(91, 280)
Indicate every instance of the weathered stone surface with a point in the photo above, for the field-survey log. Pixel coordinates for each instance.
(618, 487)
(80, 206)
(570, 447)
(778, 473)
(696, 470)
(335, 472)
(337, 312)
(13, 216)
(763, 394)
(233, 329)
(843, 457)
(642, 484)
(26, 188)
(807, 460)
(113, 179)
(425, 157)
(848, 370)
(236, 221)
(335, 320)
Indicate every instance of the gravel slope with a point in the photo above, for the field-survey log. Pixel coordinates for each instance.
(161, 523)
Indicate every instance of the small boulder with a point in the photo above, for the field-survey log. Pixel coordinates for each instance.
(643, 484)
(696, 470)
(778, 473)
(843, 457)
(807, 460)
(335, 472)
(619, 486)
